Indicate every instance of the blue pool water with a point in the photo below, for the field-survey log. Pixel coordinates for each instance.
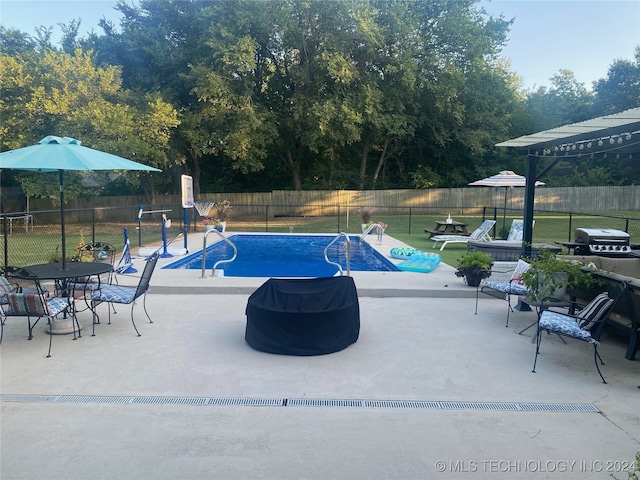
(286, 256)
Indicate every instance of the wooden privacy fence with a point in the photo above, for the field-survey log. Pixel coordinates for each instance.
(454, 200)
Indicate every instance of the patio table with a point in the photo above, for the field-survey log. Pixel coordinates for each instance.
(71, 273)
(443, 227)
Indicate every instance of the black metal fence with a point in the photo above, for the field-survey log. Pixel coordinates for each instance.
(35, 236)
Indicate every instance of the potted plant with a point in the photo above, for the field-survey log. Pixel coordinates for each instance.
(223, 212)
(365, 215)
(209, 223)
(474, 266)
(550, 276)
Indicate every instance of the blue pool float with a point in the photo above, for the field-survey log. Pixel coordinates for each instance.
(403, 253)
(420, 262)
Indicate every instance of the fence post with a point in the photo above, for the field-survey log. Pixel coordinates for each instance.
(570, 221)
(338, 217)
(4, 233)
(266, 218)
(93, 226)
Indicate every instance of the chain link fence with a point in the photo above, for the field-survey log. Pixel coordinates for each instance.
(35, 237)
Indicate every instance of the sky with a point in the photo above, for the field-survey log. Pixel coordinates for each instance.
(584, 36)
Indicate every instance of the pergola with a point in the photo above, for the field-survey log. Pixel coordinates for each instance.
(617, 135)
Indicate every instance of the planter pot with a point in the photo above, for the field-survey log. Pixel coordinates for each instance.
(373, 231)
(473, 279)
(559, 287)
(221, 228)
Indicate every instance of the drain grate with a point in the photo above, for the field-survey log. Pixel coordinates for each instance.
(300, 402)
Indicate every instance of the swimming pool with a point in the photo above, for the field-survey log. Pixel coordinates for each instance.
(286, 256)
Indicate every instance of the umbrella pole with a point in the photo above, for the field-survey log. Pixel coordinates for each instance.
(64, 250)
(504, 211)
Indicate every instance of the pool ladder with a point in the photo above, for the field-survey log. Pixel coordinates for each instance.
(326, 257)
(373, 226)
(204, 253)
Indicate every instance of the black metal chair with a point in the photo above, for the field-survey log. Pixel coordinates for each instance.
(505, 281)
(38, 305)
(100, 252)
(111, 293)
(585, 326)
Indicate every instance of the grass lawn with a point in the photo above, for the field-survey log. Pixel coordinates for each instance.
(38, 246)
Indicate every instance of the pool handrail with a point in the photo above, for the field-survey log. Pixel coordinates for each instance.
(341, 234)
(371, 227)
(204, 252)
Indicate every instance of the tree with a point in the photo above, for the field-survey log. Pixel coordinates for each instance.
(620, 90)
(566, 101)
(67, 95)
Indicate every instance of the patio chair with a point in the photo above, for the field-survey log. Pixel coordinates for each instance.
(480, 234)
(585, 326)
(101, 252)
(5, 289)
(38, 305)
(111, 293)
(505, 280)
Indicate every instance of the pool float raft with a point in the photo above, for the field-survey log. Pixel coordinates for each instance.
(403, 253)
(416, 260)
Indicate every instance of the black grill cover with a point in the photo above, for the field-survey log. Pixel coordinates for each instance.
(310, 316)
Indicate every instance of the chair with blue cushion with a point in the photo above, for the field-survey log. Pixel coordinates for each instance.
(585, 326)
(101, 252)
(111, 293)
(35, 305)
(504, 282)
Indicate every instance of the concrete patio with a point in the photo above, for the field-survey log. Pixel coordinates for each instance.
(190, 399)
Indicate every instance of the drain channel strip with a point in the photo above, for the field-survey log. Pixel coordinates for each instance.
(301, 402)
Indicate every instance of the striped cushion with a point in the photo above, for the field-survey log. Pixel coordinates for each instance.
(591, 314)
(28, 304)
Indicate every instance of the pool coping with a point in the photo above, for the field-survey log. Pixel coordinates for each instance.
(441, 282)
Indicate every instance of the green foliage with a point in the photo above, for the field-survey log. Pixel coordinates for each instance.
(67, 94)
(425, 177)
(474, 262)
(620, 90)
(541, 278)
(288, 94)
(633, 474)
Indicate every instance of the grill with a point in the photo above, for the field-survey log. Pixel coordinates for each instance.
(606, 242)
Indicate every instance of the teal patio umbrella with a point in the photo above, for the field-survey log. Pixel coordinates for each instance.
(53, 154)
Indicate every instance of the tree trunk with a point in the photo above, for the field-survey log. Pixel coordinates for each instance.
(381, 161)
(196, 173)
(294, 168)
(366, 145)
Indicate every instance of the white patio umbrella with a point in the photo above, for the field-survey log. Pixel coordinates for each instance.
(506, 179)
(57, 154)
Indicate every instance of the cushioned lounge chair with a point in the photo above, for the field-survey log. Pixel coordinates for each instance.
(480, 234)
